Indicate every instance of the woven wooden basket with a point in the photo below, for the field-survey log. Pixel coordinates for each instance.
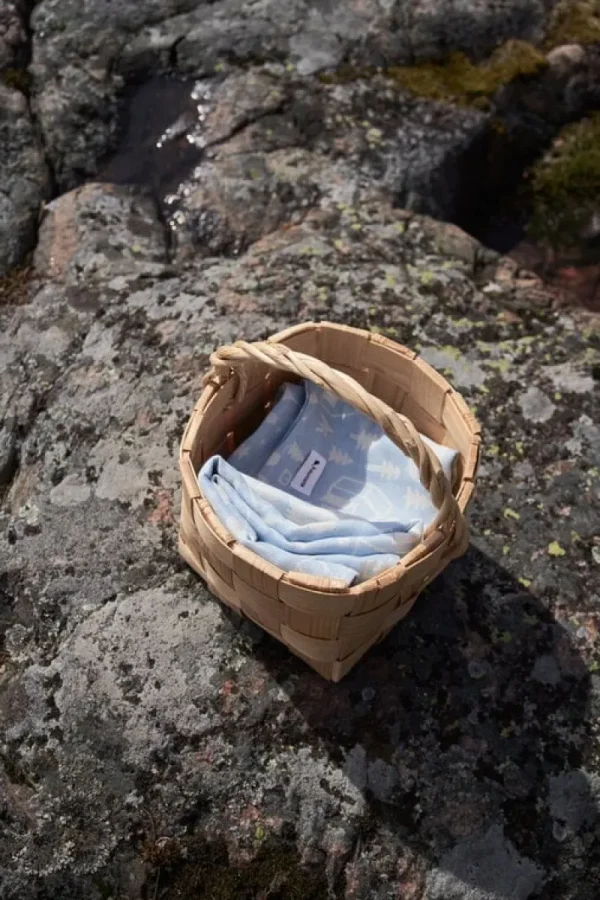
(327, 626)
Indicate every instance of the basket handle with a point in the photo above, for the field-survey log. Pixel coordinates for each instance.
(398, 428)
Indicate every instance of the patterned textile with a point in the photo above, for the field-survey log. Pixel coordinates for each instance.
(319, 488)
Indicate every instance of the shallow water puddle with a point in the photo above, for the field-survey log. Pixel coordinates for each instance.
(163, 138)
(161, 135)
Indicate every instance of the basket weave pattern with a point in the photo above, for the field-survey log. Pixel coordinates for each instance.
(327, 626)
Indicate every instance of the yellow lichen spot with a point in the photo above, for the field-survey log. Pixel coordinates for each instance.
(484, 389)
(502, 365)
(526, 583)
(400, 227)
(356, 226)
(554, 549)
(558, 395)
(487, 532)
(390, 279)
(506, 550)
(575, 536)
(511, 514)
(454, 352)
(426, 277)
(374, 135)
(493, 450)
(519, 447)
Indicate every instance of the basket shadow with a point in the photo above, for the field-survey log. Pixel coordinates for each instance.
(464, 731)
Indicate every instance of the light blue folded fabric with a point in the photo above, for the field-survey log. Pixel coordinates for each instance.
(320, 489)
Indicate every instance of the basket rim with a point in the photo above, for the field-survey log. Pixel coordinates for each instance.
(313, 584)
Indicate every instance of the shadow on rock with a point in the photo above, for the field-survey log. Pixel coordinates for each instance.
(466, 732)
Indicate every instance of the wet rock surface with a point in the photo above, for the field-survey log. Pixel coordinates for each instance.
(83, 57)
(304, 144)
(231, 156)
(152, 745)
(125, 96)
(155, 746)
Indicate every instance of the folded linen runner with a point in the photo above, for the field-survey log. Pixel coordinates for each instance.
(319, 488)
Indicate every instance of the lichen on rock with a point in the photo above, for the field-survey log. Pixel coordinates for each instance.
(153, 745)
(23, 175)
(147, 732)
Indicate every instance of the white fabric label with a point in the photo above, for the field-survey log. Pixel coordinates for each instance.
(308, 474)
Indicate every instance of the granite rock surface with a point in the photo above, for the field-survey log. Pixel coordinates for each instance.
(23, 178)
(153, 745)
(122, 93)
(185, 177)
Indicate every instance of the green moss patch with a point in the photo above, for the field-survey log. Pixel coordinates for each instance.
(19, 79)
(15, 286)
(565, 184)
(574, 22)
(461, 81)
(198, 869)
(458, 79)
